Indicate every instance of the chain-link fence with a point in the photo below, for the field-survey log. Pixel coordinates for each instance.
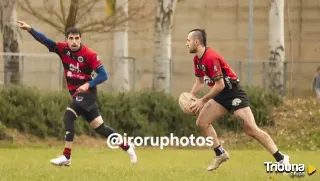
(44, 71)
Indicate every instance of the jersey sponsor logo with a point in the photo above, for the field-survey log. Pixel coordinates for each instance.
(74, 68)
(77, 76)
(69, 74)
(207, 80)
(201, 67)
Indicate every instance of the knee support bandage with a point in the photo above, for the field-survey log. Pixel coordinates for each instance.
(68, 119)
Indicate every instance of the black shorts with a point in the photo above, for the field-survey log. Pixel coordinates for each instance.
(232, 97)
(85, 105)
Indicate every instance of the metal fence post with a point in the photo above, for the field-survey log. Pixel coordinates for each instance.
(22, 69)
(134, 75)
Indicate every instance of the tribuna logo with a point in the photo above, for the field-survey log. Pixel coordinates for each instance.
(293, 169)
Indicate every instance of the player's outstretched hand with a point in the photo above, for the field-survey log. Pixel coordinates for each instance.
(23, 25)
(197, 106)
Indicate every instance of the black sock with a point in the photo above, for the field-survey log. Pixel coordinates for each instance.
(219, 150)
(278, 156)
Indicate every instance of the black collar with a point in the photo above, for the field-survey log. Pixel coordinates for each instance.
(202, 54)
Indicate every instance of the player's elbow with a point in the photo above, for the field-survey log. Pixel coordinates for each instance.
(220, 84)
(200, 81)
(221, 87)
(103, 74)
(106, 77)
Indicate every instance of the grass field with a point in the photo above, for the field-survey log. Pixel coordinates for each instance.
(102, 164)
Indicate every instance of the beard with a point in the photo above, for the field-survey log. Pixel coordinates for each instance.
(193, 50)
(74, 47)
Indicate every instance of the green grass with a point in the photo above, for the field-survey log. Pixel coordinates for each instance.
(95, 164)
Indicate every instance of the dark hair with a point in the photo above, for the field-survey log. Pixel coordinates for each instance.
(73, 30)
(201, 35)
(318, 68)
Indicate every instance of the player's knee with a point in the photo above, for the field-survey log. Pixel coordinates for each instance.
(95, 123)
(104, 130)
(68, 119)
(252, 131)
(208, 105)
(201, 124)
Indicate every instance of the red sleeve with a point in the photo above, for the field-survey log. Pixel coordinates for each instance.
(214, 68)
(94, 61)
(197, 71)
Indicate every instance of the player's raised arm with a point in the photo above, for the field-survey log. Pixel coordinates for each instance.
(51, 45)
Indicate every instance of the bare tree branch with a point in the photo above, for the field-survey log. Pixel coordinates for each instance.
(29, 9)
(108, 24)
(1, 16)
(63, 12)
(86, 7)
(81, 13)
(84, 3)
(50, 10)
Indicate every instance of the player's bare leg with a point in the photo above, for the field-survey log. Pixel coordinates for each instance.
(106, 131)
(252, 130)
(210, 112)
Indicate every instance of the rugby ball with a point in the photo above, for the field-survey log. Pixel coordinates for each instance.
(185, 102)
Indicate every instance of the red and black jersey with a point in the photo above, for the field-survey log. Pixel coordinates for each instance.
(212, 66)
(78, 65)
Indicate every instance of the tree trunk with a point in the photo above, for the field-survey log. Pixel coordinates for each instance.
(162, 57)
(11, 42)
(121, 63)
(70, 22)
(276, 46)
(73, 10)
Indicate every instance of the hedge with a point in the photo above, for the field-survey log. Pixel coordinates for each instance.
(144, 113)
